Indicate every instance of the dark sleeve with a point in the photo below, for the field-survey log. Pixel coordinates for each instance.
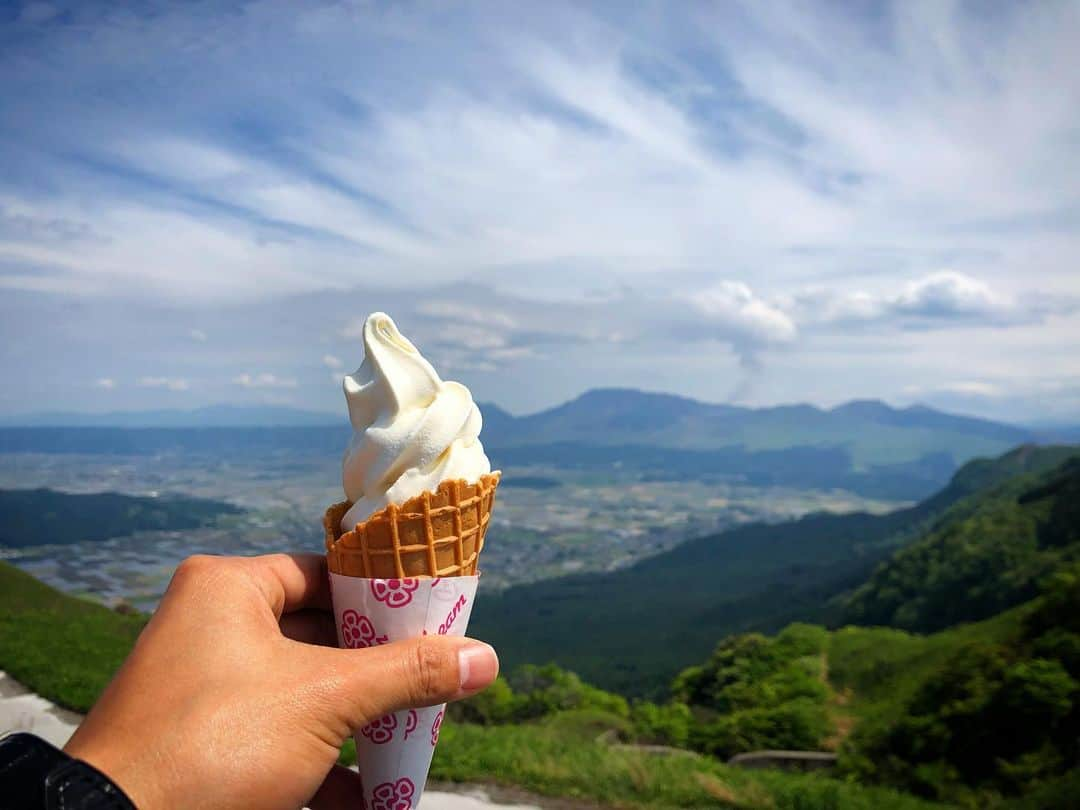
(35, 775)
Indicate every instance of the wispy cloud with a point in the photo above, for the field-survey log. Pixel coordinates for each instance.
(108, 383)
(635, 156)
(967, 388)
(263, 380)
(167, 383)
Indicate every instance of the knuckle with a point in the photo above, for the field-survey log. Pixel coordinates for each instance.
(195, 564)
(435, 671)
(275, 559)
(194, 569)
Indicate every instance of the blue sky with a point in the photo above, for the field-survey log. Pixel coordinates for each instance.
(751, 202)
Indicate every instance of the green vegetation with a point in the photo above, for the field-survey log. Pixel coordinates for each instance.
(974, 713)
(752, 693)
(979, 714)
(986, 554)
(982, 714)
(532, 692)
(759, 693)
(646, 622)
(543, 757)
(65, 649)
(36, 517)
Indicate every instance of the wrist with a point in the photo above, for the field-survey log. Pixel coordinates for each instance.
(120, 768)
(35, 774)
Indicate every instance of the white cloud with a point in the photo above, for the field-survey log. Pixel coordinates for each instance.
(470, 336)
(353, 330)
(108, 383)
(198, 335)
(945, 299)
(948, 294)
(331, 362)
(462, 311)
(968, 388)
(743, 317)
(168, 383)
(263, 380)
(728, 312)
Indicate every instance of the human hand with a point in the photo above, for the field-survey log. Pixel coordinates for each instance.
(234, 698)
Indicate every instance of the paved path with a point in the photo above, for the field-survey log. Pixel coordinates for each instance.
(22, 710)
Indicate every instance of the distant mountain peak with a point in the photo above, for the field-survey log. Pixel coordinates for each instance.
(617, 394)
(865, 407)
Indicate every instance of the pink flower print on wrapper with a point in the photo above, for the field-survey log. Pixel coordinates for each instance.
(393, 795)
(357, 631)
(436, 727)
(382, 730)
(411, 722)
(394, 593)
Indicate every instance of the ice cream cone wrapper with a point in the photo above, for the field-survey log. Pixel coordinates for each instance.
(394, 752)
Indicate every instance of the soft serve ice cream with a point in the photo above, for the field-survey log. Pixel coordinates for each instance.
(411, 430)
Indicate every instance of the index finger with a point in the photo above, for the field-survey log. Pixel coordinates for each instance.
(292, 581)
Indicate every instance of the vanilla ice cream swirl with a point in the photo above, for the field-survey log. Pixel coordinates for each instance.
(411, 430)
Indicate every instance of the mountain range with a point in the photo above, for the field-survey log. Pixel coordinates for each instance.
(608, 416)
(870, 428)
(864, 446)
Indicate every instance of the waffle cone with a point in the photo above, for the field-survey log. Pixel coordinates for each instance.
(435, 534)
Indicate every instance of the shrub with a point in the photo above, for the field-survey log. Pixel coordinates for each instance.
(543, 690)
(662, 725)
(496, 704)
(983, 722)
(797, 725)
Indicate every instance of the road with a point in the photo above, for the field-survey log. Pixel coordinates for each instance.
(22, 710)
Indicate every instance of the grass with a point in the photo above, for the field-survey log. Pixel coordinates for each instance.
(543, 758)
(64, 648)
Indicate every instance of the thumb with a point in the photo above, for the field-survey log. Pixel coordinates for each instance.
(425, 671)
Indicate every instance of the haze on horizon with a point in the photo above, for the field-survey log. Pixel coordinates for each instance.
(756, 203)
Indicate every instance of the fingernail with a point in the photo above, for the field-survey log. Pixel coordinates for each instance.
(477, 666)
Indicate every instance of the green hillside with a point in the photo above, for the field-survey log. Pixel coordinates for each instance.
(972, 713)
(632, 630)
(985, 555)
(66, 649)
(35, 517)
(983, 715)
(545, 740)
(979, 714)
